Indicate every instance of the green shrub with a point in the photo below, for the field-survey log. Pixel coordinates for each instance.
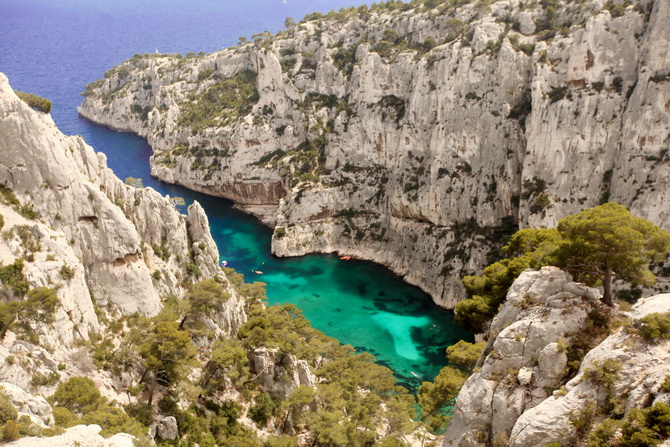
(464, 354)
(2, 221)
(10, 431)
(66, 272)
(36, 102)
(79, 395)
(603, 433)
(7, 410)
(64, 417)
(49, 379)
(665, 385)
(263, 410)
(655, 326)
(114, 420)
(224, 100)
(12, 276)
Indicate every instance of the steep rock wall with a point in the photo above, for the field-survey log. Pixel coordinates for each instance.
(521, 395)
(415, 137)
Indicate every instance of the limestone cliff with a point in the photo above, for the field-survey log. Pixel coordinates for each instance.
(415, 134)
(145, 317)
(536, 383)
(106, 248)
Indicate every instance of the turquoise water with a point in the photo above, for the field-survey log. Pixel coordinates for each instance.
(54, 48)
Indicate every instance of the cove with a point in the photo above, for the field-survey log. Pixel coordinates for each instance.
(359, 303)
(54, 49)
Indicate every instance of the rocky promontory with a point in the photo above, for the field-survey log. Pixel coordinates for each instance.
(557, 364)
(414, 135)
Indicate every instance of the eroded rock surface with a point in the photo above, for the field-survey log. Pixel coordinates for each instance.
(521, 395)
(414, 138)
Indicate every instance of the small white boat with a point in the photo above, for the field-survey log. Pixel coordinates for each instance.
(224, 263)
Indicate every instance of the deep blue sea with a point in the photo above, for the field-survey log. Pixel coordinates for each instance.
(54, 48)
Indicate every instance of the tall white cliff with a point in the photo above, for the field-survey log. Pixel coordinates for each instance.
(415, 137)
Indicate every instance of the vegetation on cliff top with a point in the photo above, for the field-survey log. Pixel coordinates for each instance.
(180, 367)
(225, 100)
(596, 246)
(34, 101)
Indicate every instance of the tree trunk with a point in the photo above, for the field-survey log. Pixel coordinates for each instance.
(5, 328)
(607, 286)
(183, 321)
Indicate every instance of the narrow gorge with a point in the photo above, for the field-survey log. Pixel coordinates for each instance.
(415, 135)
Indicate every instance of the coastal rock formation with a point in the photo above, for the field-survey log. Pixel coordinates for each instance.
(414, 134)
(127, 246)
(521, 395)
(148, 335)
(107, 249)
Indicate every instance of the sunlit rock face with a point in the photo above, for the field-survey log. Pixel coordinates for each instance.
(360, 140)
(524, 394)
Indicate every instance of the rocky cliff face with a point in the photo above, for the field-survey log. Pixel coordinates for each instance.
(536, 381)
(128, 246)
(413, 135)
(108, 249)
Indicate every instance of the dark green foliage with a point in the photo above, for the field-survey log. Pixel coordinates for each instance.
(528, 249)
(616, 10)
(464, 354)
(12, 275)
(436, 398)
(64, 417)
(558, 93)
(78, 395)
(655, 326)
(167, 352)
(345, 58)
(66, 272)
(228, 360)
(39, 306)
(134, 182)
(36, 102)
(221, 102)
(665, 385)
(547, 25)
(10, 431)
(113, 420)
(8, 197)
(646, 427)
(395, 106)
(606, 240)
(7, 410)
(522, 109)
(592, 245)
(2, 221)
(532, 187)
(263, 409)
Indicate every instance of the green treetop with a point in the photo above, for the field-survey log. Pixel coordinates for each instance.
(607, 241)
(595, 246)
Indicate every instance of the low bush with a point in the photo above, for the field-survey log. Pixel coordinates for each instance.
(36, 102)
(655, 326)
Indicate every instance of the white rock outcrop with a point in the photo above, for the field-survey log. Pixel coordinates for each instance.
(521, 396)
(280, 374)
(105, 247)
